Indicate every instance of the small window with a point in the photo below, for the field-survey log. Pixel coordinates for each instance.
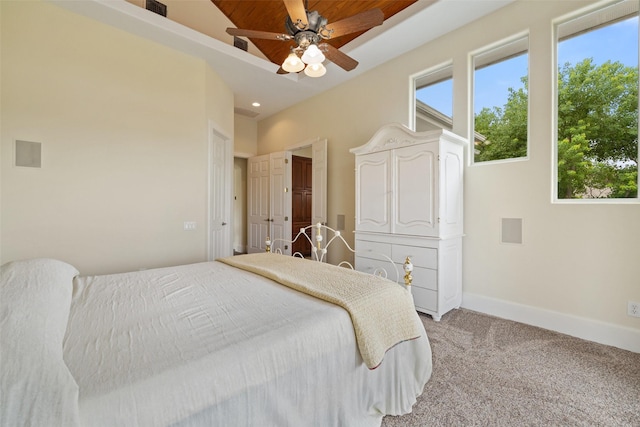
(434, 99)
(597, 105)
(501, 101)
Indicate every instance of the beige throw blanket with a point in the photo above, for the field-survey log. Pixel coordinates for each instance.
(382, 312)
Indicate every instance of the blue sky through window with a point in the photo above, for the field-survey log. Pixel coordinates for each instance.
(617, 42)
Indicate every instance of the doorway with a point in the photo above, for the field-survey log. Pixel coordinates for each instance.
(269, 195)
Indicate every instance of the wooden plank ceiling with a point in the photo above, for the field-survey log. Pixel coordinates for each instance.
(270, 15)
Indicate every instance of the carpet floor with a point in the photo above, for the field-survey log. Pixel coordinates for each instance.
(494, 372)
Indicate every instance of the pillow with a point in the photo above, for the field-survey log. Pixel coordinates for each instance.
(37, 388)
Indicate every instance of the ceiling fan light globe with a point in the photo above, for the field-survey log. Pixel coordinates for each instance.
(292, 64)
(315, 70)
(313, 55)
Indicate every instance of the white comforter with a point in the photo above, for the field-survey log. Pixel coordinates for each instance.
(210, 344)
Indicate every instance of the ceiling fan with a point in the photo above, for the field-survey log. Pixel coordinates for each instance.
(309, 29)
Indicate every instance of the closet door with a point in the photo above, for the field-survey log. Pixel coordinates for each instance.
(415, 190)
(319, 185)
(269, 201)
(373, 191)
(319, 182)
(280, 200)
(258, 204)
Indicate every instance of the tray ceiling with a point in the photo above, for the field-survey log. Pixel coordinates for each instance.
(270, 15)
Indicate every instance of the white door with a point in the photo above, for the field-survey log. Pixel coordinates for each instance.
(280, 200)
(258, 203)
(319, 184)
(220, 182)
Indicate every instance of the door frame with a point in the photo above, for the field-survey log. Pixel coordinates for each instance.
(213, 128)
(324, 217)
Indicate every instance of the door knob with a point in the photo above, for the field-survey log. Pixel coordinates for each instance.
(224, 223)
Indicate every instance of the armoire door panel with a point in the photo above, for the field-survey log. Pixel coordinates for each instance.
(451, 188)
(373, 187)
(415, 191)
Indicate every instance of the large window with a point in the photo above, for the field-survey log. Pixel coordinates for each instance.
(501, 101)
(433, 96)
(597, 105)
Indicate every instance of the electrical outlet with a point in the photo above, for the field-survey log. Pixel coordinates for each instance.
(633, 309)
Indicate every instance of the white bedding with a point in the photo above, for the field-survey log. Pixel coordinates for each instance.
(208, 344)
(36, 388)
(202, 344)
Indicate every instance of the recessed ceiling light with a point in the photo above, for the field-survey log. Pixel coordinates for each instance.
(256, 104)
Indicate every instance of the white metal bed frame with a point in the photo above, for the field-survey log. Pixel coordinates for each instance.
(319, 252)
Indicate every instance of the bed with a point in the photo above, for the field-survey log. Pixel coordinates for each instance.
(233, 342)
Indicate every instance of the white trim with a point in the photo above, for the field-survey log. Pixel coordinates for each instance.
(600, 13)
(303, 144)
(242, 155)
(588, 329)
(471, 70)
(413, 78)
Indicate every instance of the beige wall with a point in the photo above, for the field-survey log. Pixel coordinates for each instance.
(245, 146)
(123, 124)
(578, 260)
(245, 139)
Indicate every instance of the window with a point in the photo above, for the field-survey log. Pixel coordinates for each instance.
(433, 96)
(501, 101)
(596, 152)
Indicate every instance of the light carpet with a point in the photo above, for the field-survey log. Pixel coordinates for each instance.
(494, 372)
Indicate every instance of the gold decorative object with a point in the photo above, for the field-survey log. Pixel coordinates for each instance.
(408, 268)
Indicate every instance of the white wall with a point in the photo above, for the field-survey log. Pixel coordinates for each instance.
(123, 124)
(576, 262)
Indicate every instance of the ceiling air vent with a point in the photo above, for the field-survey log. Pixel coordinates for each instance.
(245, 112)
(240, 44)
(156, 7)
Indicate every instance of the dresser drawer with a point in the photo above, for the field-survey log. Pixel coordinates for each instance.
(425, 299)
(424, 278)
(420, 257)
(374, 250)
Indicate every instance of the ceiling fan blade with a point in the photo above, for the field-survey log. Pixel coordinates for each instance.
(297, 13)
(359, 22)
(281, 71)
(254, 34)
(340, 59)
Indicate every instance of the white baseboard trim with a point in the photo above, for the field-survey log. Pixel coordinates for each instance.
(588, 329)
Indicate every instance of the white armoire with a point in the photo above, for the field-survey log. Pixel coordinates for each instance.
(409, 188)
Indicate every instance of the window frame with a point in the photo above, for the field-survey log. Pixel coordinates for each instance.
(414, 80)
(598, 8)
(488, 50)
